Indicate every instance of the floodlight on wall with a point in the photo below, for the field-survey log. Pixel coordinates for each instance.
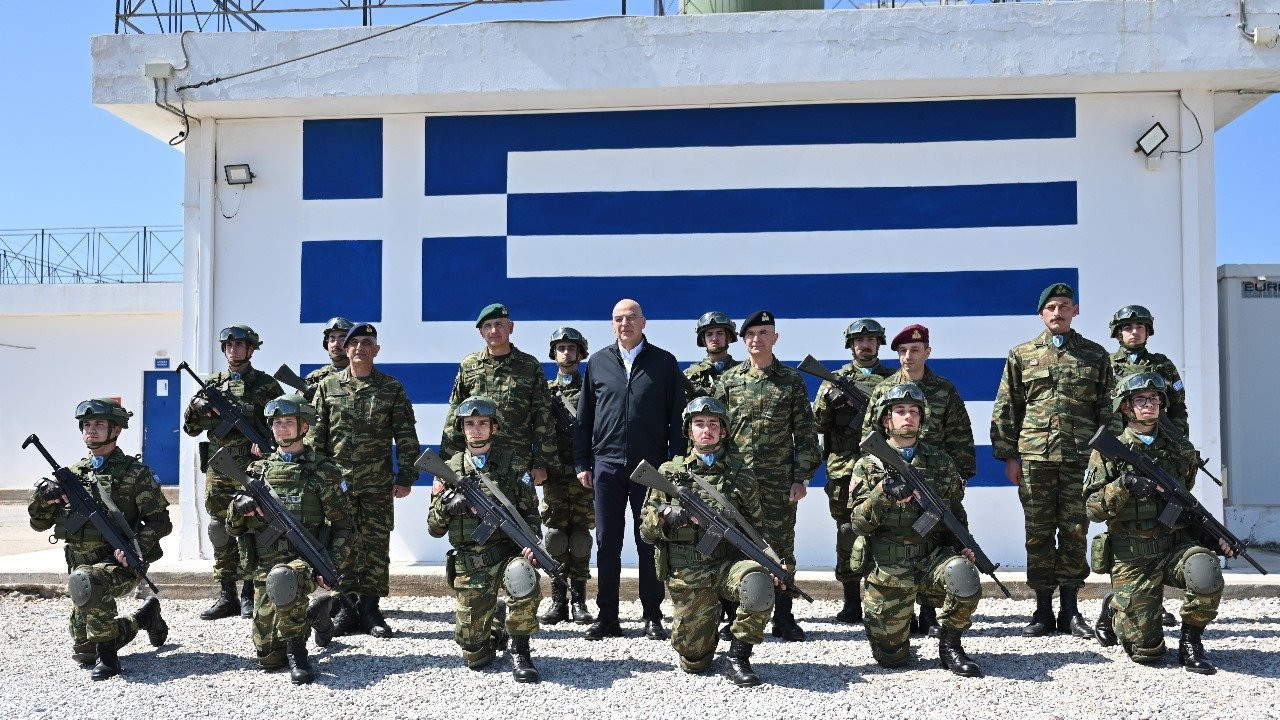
(242, 175)
(1150, 141)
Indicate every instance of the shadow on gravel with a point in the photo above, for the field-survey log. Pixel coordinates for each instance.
(1242, 621)
(1031, 667)
(423, 615)
(356, 670)
(1257, 663)
(814, 677)
(172, 662)
(598, 674)
(1215, 631)
(419, 635)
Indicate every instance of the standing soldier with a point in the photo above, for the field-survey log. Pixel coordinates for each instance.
(515, 381)
(947, 427)
(309, 486)
(568, 508)
(335, 331)
(696, 582)
(841, 431)
(1132, 325)
(771, 424)
(901, 564)
(715, 332)
(360, 412)
(1146, 555)
(1053, 396)
(479, 571)
(253, 389)
(97, 573)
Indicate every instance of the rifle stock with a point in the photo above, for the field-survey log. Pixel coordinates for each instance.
(286, 375)
(857, 397)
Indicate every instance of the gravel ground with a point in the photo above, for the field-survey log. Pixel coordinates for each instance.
(207, 670)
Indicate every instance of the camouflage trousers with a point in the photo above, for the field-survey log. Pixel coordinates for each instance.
(779, 521)
(1138, 587)
(228, 564)
(97, 622)
(1052, 496)
(891, 591)
(695, 596)
(568, 506)
(477, 596)
(837, 490)
(371, 548)
(274, 624)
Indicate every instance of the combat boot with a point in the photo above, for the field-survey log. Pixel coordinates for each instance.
(1042, 619)
(347, 620)
(740, 670)
(498, 628)
(371, 617)
(929, 620)
(1105, 630)
(1069, 618)
(106, 663)
(246, 599)
(522, 668)
(1191, 651)
(784, 623)
(729, 612)
(578, 605)
(951, 655)
(226, 605)
(300, 672)
(852, 611)
(320, 619)
(148, 618)
(1167, 619)
(559, 610)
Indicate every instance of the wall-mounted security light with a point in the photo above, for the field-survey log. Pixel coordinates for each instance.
(1150, 141)
(242, 175)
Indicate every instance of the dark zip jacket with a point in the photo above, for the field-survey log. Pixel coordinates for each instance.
(623, 421)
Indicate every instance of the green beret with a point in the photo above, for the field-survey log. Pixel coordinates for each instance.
(496, 310)
(1056, 290)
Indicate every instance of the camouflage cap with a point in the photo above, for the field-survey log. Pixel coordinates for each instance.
(863, 327)
(715, 319)
(108, 409)
(361, 330)
(568, 334)
(491, 311)
(1130, 314)
(1056, 290)
(240, 332)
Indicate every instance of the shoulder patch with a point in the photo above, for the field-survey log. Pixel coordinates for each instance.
(1178, 386)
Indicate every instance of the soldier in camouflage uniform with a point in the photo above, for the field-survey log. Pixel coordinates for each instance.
(697, 583)
(1054, 394)
(515, 381)
(948, 428)
(771, 424)
(715, 332)
(97, 573)
(252, 389)
(1132, 325)
(335, 331)
(568, 508)
(841, 431)
(479, 571)
(310, 487)
(1143, 555)
(900, 564)
(360, 412)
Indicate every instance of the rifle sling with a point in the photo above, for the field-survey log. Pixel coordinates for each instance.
(117, 518)
(498, 495)
(737, 517)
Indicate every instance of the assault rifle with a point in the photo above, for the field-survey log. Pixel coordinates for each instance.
(230, 415)
(286, 375)
(856, 396)
(718, 526)
(282, 523)
(1176, 498)
(83, 508)
(934, 509)
(565, 416)
(495, 514)
(1166, 426)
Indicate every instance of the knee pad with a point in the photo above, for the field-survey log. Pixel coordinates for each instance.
(961, 578)
(844, 537)
(755, 592)
(282, 585)
(1202, 573)
(696, 665)
(580, 544)
(218, 535)
(519, 578)
(556, 543)
(891, 657)
(82, 588)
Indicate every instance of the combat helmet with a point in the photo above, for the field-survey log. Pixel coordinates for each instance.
(477, 406)
(908, 392)
(103, 409)
(715, 319)
(291, 405)
(703, 406)
(335, 323)
(1132, 314)
(864, 327)
(567, 334)
(240, 332)
(1130, 385)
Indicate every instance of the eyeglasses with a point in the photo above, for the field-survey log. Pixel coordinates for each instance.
(1145, 401)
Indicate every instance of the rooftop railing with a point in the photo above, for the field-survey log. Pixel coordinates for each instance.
(150, 253)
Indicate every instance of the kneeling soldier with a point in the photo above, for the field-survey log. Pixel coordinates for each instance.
(479, 571)
(1141, 554)
(310, 487)
(98, 573)
(697, 584)
(900, 564)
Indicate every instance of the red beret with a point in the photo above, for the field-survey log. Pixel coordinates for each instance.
(910, 333)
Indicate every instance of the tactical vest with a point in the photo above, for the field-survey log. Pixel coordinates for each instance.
(681, 549)
(470, 553)
(292, 484)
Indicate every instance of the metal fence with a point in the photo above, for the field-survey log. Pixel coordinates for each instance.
(150, 253)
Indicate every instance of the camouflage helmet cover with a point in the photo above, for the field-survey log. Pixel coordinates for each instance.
(1132, 384)
(291, 405)
(864, 327)
(240, 332)
(335, 323)
(1132, 314)
(704, 406)
(108, 409)
(477, 406)
(904, 393)
(715, 319)
(567, 334)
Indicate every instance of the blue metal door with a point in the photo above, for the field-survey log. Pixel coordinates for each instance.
(161, 421)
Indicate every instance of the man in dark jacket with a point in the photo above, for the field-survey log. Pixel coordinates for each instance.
(629, 411)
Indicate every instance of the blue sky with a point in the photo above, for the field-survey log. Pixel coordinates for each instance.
(69, 164)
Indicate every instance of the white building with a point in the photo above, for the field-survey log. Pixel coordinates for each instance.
(925, 164)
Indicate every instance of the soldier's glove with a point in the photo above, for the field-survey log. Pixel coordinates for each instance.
(48, 490)
(1141, 487)
(243, 504)
(678, 517)
(896, 487)
(454, 502)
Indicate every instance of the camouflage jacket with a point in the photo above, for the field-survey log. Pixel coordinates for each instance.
(252, 391)
(842, 430)
(949, 428)
(311, 488)
(518, 385)
(877, 516)
(132, 487)
(357, 420)
(771, 423)
(315, 376)
(564, 470)
(502, 469)
(1106, 499)
(702, 377)
(1146, 361)
(1051, 400)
